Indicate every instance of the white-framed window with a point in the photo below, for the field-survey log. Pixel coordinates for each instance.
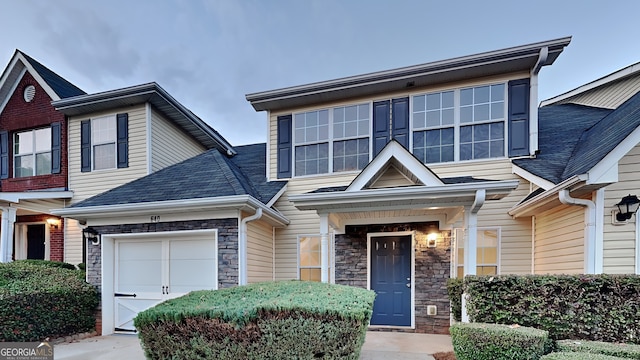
(32, 152)
(103, 142)
(460, 124)
(309, 254)
(487, 252)
(332, 140)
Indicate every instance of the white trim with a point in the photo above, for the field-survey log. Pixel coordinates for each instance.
(616, 75)
(413, 272)
(108, 267)
(22, 241)
(13, 89)
(541, 182)
(147, 107)
(16, 197)
(524, 208)
(533, 99)
(599, 199)
(498, 230)
(603, 171)
(277, 196)
(533, 244)
(298, 267)
(589, 230)
(267, 174)
(637, 245)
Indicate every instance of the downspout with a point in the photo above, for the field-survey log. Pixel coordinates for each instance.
(471, 243)
(242, 247)
(273, 253)
(533, 100)
(533, 244)
(590, 227)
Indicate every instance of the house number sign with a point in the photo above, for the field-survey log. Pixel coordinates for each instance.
(155, 218)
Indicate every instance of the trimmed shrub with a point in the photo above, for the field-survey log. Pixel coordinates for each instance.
(39, 301)
(272, 320)
(589, 307)
(578, 356)
(477, 341)
(626, 351)
(48, 263)
(455, 288)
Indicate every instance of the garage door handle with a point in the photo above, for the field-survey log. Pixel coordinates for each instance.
(163, 291)
(124, 295)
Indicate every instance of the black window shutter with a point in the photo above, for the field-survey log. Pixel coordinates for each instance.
(85, 145)
(519, 117)
(4, 155)
(56, 150)
(400, 121)
(285, 149)
(123, 140)
(380, 125)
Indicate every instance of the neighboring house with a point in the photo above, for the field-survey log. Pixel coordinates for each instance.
(394, 181)
(33, 160)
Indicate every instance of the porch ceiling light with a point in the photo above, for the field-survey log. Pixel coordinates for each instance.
(627, 207)
(53, 222)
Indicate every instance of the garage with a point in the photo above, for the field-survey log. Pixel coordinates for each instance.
(149, 268)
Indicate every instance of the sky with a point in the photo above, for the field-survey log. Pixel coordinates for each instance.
(209, 54)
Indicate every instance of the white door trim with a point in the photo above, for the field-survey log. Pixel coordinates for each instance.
(108, 266)
(413, 272)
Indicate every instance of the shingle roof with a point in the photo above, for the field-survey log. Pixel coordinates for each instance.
(560, 129)
(211, 174)
(62, 87)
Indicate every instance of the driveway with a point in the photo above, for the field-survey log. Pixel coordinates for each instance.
(378, 346)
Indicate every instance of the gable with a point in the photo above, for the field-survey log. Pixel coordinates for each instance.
(392, 177)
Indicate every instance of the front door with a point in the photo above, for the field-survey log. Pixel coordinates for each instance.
(35, 241)
(391, 280)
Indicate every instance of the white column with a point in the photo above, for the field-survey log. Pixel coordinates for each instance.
(324, 248)
(470, 241)
(6, 233)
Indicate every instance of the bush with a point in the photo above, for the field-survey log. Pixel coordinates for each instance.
(58, 264)
(577, 356)
(589, 307)
(455, 289)
(39, 301)
(273, 320)
(626, 351)
(477, 341)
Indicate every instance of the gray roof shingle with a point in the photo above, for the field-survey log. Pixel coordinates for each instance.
(210, 174)
(62, 87)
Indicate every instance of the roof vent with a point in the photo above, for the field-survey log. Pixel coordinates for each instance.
(29, 93)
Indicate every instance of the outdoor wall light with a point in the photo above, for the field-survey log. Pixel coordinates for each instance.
(92, 235)
(627, 207)
(431, 240)
(53, 222)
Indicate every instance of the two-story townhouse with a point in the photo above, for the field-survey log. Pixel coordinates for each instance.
(33, 160)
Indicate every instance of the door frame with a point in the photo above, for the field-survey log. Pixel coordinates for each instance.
(107, 254)
(413, 273)
(20, 238)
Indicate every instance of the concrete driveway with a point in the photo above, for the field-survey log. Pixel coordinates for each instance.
(378, 346)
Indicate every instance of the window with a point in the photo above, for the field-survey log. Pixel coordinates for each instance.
(32, 152)
(309, 258)
(461, 124)
(103, 139)
(331, 140)
(486, 252)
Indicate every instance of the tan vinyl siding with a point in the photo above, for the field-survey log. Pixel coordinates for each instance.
(259, 252)
(620, 240)
(391, 178)
(87, 184)
(72, 242)
(169, 144)
(608, 96)
(559, 244)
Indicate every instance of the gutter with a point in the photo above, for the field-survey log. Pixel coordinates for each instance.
(545, 197)
(533, 101)
(242, 246)
(590, 227)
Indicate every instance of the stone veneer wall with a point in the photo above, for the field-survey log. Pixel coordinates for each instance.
(432, 269)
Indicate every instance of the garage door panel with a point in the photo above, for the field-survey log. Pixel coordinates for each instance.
(139, 267)
(192, 265)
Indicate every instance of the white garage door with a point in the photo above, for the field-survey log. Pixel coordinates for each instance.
(149, 271)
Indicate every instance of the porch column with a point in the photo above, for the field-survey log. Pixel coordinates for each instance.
(324, 248)
(471, 242)
(6, 233)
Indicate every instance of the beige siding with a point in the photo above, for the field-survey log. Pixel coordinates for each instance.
(559, 245)
(259, 252)
(515, 234)
(620, 240)
(72, 241)
(169, 144)
(391, 178)
(87, 184)
(610, 95)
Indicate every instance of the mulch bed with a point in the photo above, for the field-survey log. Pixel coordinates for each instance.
(445, 356)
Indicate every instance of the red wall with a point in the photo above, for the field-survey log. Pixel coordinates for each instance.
(21, 115)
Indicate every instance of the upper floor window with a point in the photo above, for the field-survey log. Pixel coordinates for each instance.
(336, 139)
(32, 152)
(104, 143)
(103, 138)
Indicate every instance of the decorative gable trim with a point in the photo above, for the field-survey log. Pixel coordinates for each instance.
(606, 170)
(535, 179)
(394, 152)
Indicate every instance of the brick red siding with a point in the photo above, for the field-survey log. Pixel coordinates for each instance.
(56, 236)
(19, 115)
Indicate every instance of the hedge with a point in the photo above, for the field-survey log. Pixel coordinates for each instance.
(627, 351)
(455, 288)
(478, 341)
(272, 320)
(586, 307)
(58, 264)
(578, 356)
(39, 301)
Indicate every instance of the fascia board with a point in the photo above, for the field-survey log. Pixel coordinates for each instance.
(602, 172)
(16, 197)
(535, 179)
(546, 196)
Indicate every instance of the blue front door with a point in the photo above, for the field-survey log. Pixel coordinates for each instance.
(391, 280)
